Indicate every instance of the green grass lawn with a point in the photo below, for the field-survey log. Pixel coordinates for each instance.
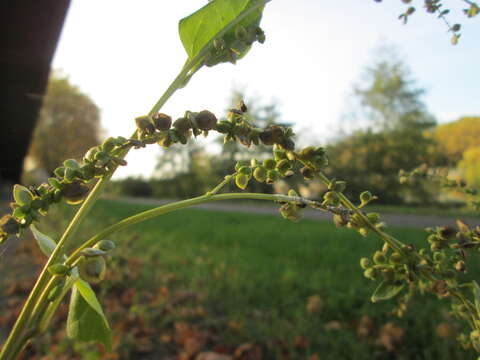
(254, 275)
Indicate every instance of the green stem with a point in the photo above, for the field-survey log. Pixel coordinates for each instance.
(152, 213)
(390, 240)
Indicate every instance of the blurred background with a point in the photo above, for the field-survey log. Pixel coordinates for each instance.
(378, 95)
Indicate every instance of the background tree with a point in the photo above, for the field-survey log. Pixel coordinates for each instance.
(396, 133)
(68, 125)
(470, 166)
(456, 137)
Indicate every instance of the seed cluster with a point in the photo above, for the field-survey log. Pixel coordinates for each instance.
(231, 47)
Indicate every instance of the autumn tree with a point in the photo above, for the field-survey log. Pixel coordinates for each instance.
(68, 125)
(456, 137)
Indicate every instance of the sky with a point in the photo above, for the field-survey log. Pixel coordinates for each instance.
(124, 54)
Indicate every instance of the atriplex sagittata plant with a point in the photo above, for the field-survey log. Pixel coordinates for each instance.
(209, 40)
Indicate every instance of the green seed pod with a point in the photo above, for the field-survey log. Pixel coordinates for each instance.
(363, 231)
(446, 232)
(59, 172)
(439, 257)
(253, 163)
(365, 263)
(240, 164)
(88, 171)
(182, 125)
(279, 154)
(272, 176)
(291, 212)
(269, 164)
(9, 225)
(337, 185)
(55, 183)
(366, 197)
(161, 121)
(283, 165)
(331, 198)
(72, 164)
(339, 221)
(245, 170)
(396, 258)
(379, 258)
(59, 269)
(371, 273)
(145, 125)
(224, 127)
(436, 246)
(92, 269)
(308, 153)
(109, 144)
(373, 217)
(271, 135)
(260, 174)
(320, 161)
(165, 140)
(206, 120)
(90, 155)
(70, 174)
(307, 173)
(18, 213)
(105, 245)
(74, 192)
(22, 195)
(92, 252)
(241, 181)
(433, 238)
(292, 193)
(460, 266)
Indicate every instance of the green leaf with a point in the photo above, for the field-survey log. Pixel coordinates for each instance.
(86, 320)
(45, 242)
(386, 290)
(201, 27)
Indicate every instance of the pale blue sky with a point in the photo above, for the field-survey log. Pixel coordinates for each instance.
(125, 53)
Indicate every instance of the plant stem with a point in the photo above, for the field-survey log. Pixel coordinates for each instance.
(152, 213)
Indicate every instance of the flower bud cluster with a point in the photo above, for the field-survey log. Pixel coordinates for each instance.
(92, 266)
(234, 45)
(69, 183)
(292, 211)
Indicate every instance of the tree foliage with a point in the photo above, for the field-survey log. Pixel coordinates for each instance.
(456, 137)
(396, 135)
(470, 166)
(68, 125)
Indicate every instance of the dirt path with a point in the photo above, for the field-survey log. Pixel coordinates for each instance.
(403, 220)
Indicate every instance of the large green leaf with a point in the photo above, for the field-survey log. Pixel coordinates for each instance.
(201, 27)
(386, 290)
(45, 242)
(86, 320)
